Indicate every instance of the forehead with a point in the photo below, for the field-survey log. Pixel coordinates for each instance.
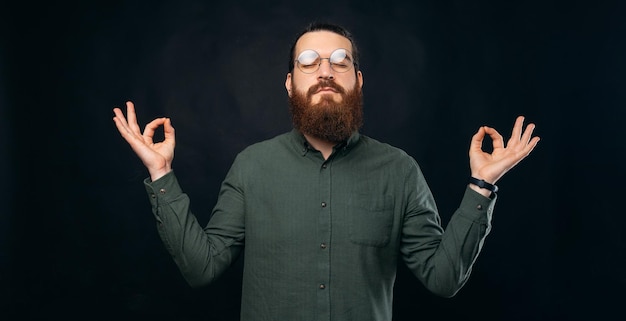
(322, 42)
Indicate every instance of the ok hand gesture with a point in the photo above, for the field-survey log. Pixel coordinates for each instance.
(491, 167)
(157, 157)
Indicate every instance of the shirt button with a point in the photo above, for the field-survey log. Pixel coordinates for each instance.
(323, 245)
(152, 195)
(479, 207)
(324, 166)
(322, 286)
(323, 204)
(162, 191)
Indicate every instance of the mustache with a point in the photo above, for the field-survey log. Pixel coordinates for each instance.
(325, 83)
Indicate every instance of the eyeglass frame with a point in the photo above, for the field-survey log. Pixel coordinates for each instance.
(349, 55)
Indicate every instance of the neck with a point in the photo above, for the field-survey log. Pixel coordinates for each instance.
(325, 147)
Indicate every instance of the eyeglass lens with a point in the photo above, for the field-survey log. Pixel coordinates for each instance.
(309, 61)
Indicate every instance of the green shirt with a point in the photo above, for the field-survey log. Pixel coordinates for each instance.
(321, 238)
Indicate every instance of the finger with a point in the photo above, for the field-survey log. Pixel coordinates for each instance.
(517, 128)
(125, 131)
(527, 135)
(516, 141)
(120, 121)
(531, 145)
(132, 118)
(496, 138)
(119, 114)
(168, 130)
(151, 127)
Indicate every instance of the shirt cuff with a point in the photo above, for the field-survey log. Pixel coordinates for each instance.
(477, 207)
(163, 190)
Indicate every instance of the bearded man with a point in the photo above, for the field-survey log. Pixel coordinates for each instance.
(322, 213)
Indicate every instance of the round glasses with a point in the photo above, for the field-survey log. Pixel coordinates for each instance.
(309, 61)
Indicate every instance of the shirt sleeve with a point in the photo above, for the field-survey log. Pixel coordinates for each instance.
(201, 254)
(442, 260)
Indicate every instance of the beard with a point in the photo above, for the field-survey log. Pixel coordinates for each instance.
(328, 120)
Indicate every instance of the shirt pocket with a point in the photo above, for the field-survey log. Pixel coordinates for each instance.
(371, 220)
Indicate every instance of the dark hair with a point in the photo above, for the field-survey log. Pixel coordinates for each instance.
(325, 26)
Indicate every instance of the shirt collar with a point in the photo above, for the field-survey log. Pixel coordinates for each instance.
(303, 145)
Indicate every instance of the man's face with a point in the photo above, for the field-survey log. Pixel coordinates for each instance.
(324, 43)
(325, 103)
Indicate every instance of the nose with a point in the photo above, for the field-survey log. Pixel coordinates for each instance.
(325, 71)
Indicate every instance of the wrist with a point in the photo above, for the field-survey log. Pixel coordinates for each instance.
(156, 174)
(482, 186)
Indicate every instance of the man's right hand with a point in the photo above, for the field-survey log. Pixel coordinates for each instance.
(157, 157)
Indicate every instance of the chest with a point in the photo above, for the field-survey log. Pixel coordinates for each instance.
(320, 203)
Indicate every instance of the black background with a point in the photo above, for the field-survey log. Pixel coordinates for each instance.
(78, 240)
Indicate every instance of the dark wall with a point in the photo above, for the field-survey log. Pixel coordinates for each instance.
(6, 178)
(78, 240)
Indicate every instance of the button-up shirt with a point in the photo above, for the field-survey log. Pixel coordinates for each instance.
(322, 238)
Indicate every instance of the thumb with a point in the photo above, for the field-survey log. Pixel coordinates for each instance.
(477, 139)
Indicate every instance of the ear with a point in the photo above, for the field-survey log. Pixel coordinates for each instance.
(359, 78)
(288, 84)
